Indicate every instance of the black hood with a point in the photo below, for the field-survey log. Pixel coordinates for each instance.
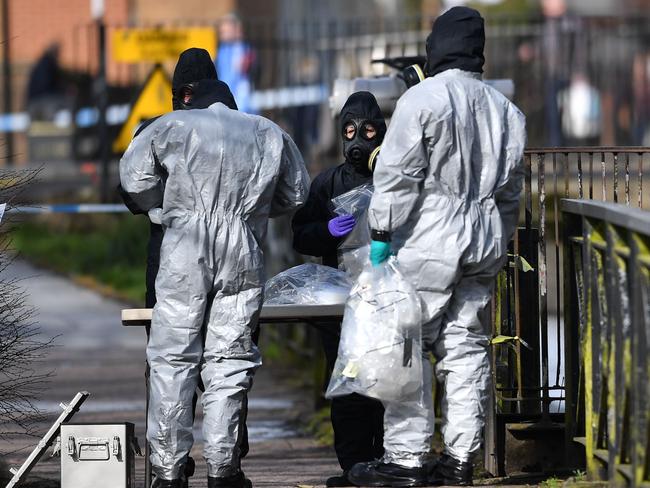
(363, 105)
(204, 93)
(193, 64)
(359, 109)
(457, 40)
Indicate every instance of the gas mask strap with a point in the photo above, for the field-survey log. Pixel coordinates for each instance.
(372, 160)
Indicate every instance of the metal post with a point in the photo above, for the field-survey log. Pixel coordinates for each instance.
(6, 80)
(102, 99)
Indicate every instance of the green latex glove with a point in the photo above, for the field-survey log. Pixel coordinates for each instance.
(379, 252)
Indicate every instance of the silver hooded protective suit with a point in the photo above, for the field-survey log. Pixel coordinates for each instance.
(447, 188)
(218, 175)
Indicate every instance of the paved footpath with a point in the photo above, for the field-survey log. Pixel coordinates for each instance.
(95, 353)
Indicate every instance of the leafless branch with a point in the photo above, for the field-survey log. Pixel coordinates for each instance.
(22, 349)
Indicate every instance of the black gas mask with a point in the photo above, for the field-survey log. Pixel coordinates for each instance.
(363, 129)
(361, 141)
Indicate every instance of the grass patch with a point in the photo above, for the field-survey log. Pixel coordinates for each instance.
(552, 482)
(320, 427)
(579, 476)
(106, 252)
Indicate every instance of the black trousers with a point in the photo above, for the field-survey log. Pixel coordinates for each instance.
(358, 421)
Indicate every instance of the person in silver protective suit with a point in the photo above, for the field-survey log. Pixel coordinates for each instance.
(217, 175)
(446, 201)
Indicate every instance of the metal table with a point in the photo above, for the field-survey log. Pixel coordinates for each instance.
(270, 314)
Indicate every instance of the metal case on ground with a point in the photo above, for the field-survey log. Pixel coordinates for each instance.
(97, 455)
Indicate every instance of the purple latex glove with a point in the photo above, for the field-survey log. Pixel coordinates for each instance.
(342, 225)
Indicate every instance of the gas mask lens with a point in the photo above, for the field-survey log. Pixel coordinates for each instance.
(349, 131)
(369, 132)
(366, 130)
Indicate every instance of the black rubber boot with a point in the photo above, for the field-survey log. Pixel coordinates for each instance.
(235, 481)
(177, 483)
(186, 472)
(448, 471)
(340, 480)
(376, 473)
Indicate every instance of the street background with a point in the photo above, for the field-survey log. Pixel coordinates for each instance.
(581, 71)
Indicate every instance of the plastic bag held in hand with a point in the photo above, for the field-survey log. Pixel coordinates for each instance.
(353, 250)
(342, 225)
(380, 352)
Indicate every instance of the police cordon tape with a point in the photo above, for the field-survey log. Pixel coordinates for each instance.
(286, 97)
(70, 208)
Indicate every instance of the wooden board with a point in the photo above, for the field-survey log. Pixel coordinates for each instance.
(270, 314)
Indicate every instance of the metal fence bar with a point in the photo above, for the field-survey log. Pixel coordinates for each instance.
(518, 331)
(543, 288)
(518, 396)
(640, 196)
(627, 179)
(612, 282)
(591, 177)
(604, 175)
(615, 182)
(580, 191)
(558, 276)
(528, 192)
(588, 150)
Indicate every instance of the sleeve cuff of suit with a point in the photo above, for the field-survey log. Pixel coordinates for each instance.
(380, 235)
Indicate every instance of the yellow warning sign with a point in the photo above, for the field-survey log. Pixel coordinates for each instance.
(161, 44)
(154, 99)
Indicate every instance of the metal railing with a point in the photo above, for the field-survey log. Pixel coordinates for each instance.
(607, 324)
(529, 360)
(590, 173)
(311, 51)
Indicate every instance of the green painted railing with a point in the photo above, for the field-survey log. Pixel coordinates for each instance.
(607, 338)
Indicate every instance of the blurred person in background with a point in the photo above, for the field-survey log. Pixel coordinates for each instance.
(304, 119)
(560, 50)
(560, 54)
(236, 61)
(213, 177)
(317, 231)
(45, 88)
(641, 94)
(446, 200)
(581, 111)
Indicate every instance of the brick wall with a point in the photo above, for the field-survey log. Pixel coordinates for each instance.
(35, 25)
(166, 12)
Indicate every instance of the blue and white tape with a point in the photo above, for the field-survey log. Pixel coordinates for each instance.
(285, 97)
(71, 208)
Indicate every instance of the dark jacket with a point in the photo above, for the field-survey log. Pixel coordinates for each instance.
(310, 233)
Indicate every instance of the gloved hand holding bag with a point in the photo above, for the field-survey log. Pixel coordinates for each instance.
(380, 352)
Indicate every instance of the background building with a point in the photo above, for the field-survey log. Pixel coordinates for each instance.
(586, 59)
